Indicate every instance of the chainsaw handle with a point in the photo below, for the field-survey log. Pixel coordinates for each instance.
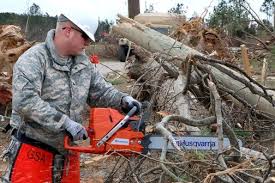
(132, 111)
(85, 149)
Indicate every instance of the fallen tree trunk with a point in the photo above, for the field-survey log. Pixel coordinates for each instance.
(234, 82)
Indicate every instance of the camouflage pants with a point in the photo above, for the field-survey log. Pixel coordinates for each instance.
(10, 154)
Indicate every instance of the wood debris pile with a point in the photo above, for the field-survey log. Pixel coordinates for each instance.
(178, 79)
(12, 45)
(208, 41)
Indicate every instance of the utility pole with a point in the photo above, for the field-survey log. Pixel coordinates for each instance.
(133, 8)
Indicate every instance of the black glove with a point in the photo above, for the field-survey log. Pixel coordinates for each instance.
(76, 130)
(128, 103)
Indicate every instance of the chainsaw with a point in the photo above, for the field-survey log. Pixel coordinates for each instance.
(111, 132)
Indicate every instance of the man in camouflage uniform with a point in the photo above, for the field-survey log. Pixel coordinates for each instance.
(52, 83)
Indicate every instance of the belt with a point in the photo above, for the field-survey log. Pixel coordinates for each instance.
(21, 137)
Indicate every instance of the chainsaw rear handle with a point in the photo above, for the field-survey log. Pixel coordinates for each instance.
(87, 149)
(83, 149)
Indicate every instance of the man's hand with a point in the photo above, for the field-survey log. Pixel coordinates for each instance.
(76, 130)
(128, 103)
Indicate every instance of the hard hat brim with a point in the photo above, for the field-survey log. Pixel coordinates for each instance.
(91, 36)
(84, 28)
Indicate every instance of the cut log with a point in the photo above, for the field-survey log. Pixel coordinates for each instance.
(160, 19)
(157, 42)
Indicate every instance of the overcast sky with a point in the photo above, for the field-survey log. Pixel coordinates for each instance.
(108, 9)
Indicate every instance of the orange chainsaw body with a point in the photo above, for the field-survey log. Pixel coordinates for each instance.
(126, 141)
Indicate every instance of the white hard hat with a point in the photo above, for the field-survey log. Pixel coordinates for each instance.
(86, 23)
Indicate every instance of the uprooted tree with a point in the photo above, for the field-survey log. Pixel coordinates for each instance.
(173, 76)
(12, 45)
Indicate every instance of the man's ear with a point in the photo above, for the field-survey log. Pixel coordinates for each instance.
(67, 32)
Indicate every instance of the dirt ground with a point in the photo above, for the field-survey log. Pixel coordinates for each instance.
(94, 168)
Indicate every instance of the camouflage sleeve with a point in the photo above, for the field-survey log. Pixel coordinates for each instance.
(102, 93)
(27, 83)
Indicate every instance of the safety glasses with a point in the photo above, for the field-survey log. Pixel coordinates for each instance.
(83, 34)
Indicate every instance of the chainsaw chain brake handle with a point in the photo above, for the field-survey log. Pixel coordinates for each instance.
(144, 117)
(146, 113)
(92, 149)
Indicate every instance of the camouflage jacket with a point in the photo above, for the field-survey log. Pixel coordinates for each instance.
(46, 90)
